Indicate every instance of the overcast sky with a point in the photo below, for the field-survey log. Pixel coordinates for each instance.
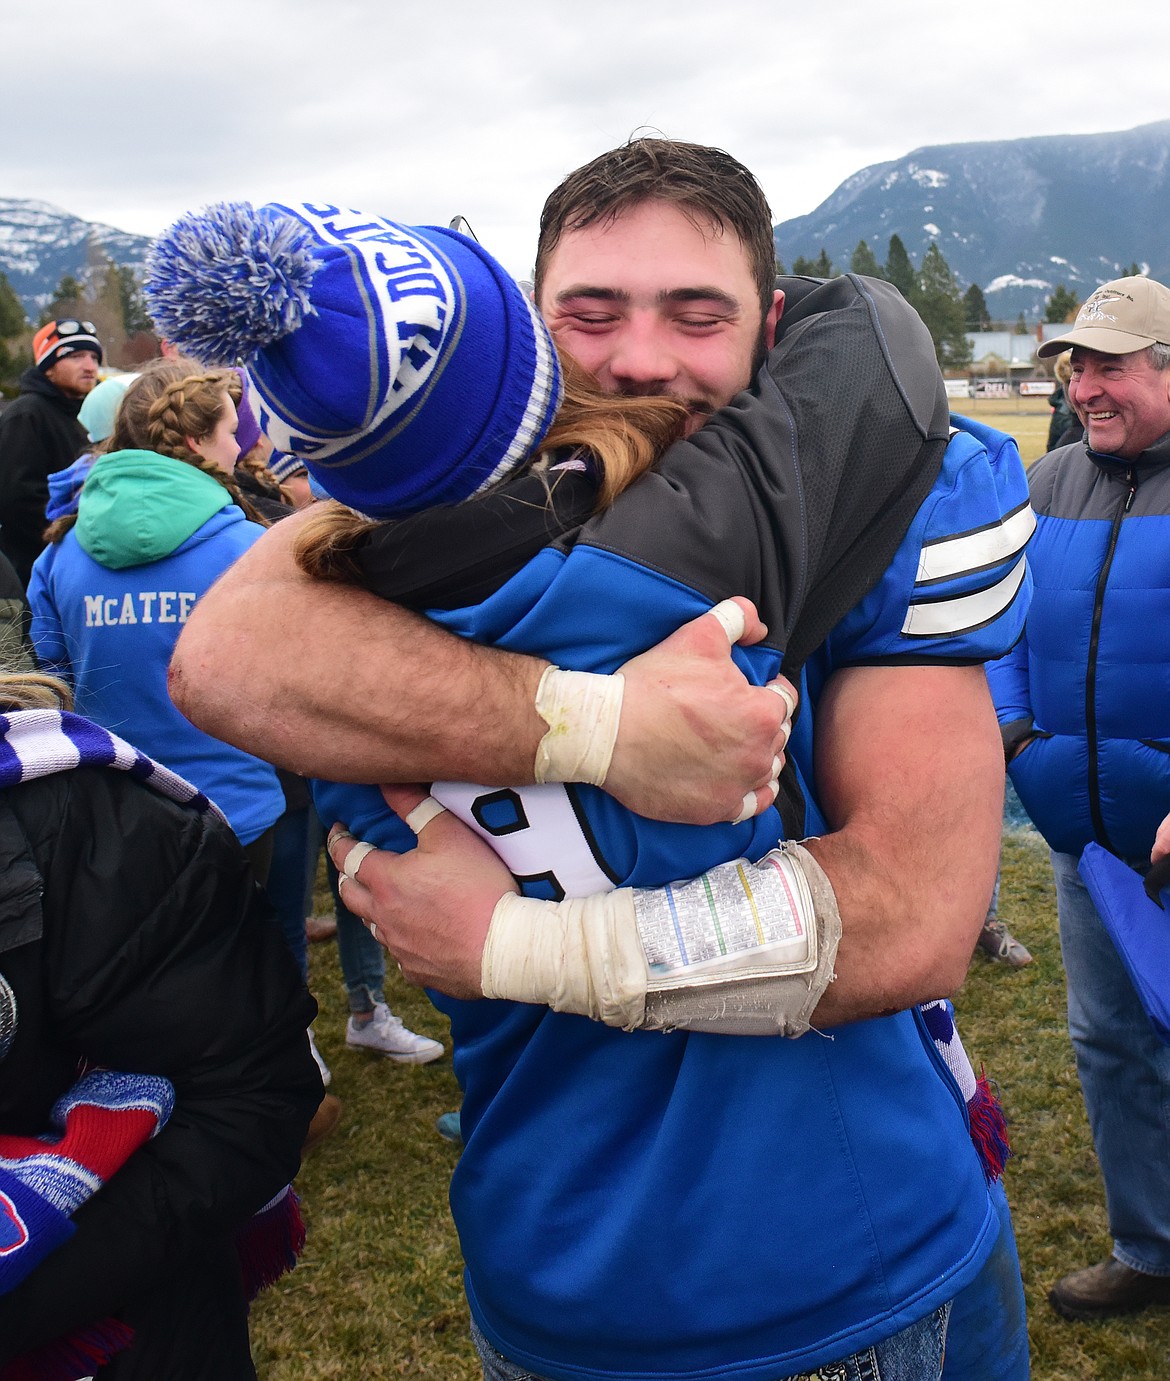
(134, 111)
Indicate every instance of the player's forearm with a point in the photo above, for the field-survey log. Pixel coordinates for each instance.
(914, 857)
(330, 681)
(899, 946)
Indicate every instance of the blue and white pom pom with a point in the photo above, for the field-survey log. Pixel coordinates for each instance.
(224, 282)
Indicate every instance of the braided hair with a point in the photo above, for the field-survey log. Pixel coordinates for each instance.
(171, 400)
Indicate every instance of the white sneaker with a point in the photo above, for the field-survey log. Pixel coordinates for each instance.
(385, 1033)
(326, 1072)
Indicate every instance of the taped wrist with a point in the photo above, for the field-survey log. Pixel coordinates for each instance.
(745, 949)
(582, 711)
(580, 955)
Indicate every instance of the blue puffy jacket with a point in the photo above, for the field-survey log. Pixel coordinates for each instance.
(1091, 676)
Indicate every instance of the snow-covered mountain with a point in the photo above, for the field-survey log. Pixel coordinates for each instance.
(40, 243)
(1015, 216)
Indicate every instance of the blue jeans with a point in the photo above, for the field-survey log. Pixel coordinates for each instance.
(1125, 1077)
(362, 958)
(915, 1354)
(993, 905)
(987, 1337)
(288, 880)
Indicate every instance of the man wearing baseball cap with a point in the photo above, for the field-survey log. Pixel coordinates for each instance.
(40, 433)
(1084, 706)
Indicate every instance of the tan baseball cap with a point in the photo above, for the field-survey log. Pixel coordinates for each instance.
(1120, 317)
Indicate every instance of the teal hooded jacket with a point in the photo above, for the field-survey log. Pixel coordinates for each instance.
(108, 604)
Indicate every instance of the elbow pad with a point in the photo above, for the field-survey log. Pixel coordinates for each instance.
(744, 949)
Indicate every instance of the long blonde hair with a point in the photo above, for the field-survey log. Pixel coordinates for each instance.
(32, 690)
(624, 435)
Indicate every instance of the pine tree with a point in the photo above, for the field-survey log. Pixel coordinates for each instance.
(134, 314)
(941, 307)
(1021, 325)
(15, 355)
(820, 267)
(12, 317)
(67, 300)
(1061, 306)
(899, 269)
(864, 262)
(103, 302)
(976, 315)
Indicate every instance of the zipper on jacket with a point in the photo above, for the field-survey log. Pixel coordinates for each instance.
(1094, 768)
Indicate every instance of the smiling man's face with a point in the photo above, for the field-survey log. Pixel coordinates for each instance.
(1124, 400)
(652, 302)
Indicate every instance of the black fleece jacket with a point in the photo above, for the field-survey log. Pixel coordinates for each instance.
(39, 434)
(133, 938)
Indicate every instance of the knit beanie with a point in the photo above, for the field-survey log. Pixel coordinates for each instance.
(400, 364)
(57, 338)
(284, 467)
(99, 408)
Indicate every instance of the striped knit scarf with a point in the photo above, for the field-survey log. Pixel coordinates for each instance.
(988, 1125)
(38, 743)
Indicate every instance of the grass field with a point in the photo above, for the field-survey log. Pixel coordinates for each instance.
(1024, 418)
(378, 1292)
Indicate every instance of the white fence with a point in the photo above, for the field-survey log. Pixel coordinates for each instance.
(998, 388)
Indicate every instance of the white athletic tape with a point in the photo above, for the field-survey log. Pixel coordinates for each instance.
(749, 809)
(754, 954)
(582, 711)
(732, 620)
(355, 858)
(422, 815)
(785, 694)
(579, 955)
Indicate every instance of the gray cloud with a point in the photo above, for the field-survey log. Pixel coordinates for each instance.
(461, 106)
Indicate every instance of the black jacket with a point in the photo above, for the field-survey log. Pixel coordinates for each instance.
(146, 951)
(39, 434)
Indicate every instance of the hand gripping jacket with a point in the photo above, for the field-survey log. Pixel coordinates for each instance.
(637, 1205)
